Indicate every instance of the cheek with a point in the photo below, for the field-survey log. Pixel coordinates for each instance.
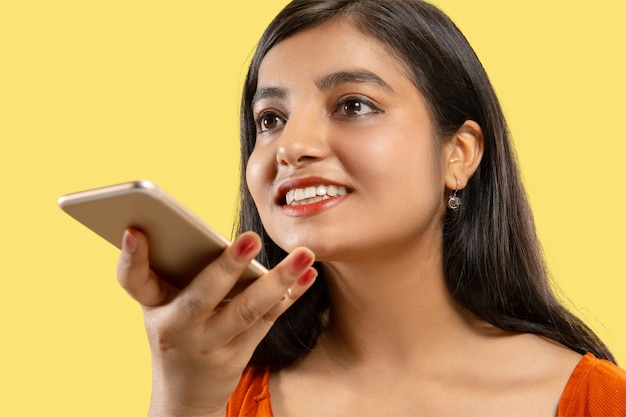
(407, 173)
(393, 158)
(258, 175)
(253, 175)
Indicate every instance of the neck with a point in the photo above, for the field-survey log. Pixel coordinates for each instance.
(394, 308)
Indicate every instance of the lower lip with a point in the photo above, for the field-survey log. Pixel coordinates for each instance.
(313, 208)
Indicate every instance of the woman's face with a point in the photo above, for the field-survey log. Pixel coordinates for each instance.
(345, 161)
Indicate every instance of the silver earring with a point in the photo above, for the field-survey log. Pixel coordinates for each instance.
(454, 202)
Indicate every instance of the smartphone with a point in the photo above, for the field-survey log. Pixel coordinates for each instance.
(180, 243)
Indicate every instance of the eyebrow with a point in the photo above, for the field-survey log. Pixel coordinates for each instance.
(327, 82)
(268, 92)
(355, 76)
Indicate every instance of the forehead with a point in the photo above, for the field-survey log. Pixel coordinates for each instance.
(330, 47)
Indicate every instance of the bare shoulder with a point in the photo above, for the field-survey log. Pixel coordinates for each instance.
(528, 358)
(528, 373)
(544, 357)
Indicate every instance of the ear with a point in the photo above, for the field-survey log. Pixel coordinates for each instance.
(464, 152)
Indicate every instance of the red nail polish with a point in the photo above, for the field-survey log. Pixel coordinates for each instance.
(301, 261)
(245, 246)
(307, 277)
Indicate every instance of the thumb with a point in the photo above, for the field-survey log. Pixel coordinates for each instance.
(136, 277)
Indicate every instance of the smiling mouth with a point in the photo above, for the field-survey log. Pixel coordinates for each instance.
(309, 195)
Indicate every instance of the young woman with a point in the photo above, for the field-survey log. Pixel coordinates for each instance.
(373, 144)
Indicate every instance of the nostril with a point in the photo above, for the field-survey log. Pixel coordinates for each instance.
(280, 159)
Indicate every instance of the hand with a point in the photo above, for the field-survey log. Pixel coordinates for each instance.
(199, 344)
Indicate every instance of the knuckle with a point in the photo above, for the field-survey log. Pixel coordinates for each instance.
(247, 313)
(271, 316)
(286, 279)
(193, 306)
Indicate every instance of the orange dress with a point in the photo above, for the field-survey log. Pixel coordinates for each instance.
(596, 388)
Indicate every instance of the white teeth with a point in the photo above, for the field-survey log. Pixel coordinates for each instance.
(298, 194)
(310, 192)
(313, 194)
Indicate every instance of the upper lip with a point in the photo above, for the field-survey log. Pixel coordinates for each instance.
(293, 183)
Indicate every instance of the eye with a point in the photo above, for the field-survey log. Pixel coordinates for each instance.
(268, 120)
(355, 106)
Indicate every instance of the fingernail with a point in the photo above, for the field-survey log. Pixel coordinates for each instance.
(307, 277)
(244, 246)
(301, 261)
(129, 242)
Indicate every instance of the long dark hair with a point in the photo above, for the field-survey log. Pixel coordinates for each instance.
(493, 261)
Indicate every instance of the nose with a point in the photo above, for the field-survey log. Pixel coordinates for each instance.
(303, 140)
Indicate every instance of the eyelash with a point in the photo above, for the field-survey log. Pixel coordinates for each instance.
(339, 107)
(265, 115)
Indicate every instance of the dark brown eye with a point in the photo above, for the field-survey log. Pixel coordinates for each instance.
(352, 107)
(268, 121)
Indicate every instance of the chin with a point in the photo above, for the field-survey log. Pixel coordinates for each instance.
(293, 242)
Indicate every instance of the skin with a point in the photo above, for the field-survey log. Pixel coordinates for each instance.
(200, 345)
(394, 332)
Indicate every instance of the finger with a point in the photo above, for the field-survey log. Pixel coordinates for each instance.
(134, 273)
(201, 297)
(256, 332)
(253, 305)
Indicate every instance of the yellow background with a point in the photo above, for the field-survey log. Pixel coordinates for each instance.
(95, 92)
